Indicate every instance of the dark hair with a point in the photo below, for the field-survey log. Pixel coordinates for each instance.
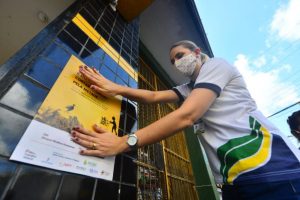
(294, 120)
(186, 44)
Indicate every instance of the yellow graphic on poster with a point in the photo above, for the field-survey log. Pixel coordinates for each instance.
(71, 103)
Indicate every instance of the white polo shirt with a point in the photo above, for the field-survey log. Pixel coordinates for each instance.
(241, 144)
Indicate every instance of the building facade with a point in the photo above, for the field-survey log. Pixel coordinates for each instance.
(105, 39)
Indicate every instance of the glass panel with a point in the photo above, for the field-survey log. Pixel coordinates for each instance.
(65, 46)
(110, 63)
(120, 81)
(35, 184)
(76, 188)
(90, 60)
(132, 83)
(104, 33)
(121, 73)
(128, 36)
(117, 37)
(66, 39)
(121, 124)
(129, 170)
(92, 10)
(126, 49)
(134, 64)
(132, 109)
(77, 33)
(127, 41)
(123, 106)
(115, 45)
(24, 96)
(128, 192)
(118, 31)
(106, 190)
(56, 54)
(131, 124)
(126, 56)
(10, 133)
(107, 73)
(104, 25)
(44, 72)
(94, 49)
(110, 13)
(117, 168)
(88, 16)
(98, 7)
(109, 20)
(6, 170)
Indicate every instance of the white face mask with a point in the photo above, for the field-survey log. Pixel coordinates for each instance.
(187, 64)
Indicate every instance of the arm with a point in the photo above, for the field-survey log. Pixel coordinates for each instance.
(108, 88)
(147, 96)
(109, 144)
(191, 110)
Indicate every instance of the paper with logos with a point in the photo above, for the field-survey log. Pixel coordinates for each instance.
(46, 142)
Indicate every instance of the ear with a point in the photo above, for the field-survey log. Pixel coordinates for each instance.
(198, 51)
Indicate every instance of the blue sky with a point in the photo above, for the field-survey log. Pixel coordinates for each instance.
(261, 38)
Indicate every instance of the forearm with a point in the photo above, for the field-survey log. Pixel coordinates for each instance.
(190, 111)
(138, 95)
(163, 128)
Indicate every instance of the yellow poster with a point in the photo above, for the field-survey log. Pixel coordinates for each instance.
(71, 102)
(46, 142)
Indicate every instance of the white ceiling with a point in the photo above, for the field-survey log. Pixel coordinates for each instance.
(166, 22)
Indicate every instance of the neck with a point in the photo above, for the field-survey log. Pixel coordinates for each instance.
(197, 71)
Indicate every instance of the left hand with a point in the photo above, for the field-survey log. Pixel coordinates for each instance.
(98, 82)
(100, 143)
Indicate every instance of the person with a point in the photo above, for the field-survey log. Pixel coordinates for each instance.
(114, 127)
(247, 154)
(294, 123)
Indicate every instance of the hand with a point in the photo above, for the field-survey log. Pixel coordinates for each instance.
(98, 82)
(100, 143)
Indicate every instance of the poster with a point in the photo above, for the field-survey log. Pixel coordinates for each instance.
(46, 142)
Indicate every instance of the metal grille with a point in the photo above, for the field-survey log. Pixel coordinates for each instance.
(164, 169)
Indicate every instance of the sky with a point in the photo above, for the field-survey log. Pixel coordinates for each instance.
(262, 39)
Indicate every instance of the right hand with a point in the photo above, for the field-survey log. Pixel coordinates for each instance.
(98, 82)
(99, 142)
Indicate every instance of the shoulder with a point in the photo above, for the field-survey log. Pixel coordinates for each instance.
(217, 63)
(217, 66)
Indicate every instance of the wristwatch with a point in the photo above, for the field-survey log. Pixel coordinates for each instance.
(132, 141)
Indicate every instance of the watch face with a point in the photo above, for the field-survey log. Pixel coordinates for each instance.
(132, 140)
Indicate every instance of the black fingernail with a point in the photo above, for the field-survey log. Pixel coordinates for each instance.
(81, 151)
